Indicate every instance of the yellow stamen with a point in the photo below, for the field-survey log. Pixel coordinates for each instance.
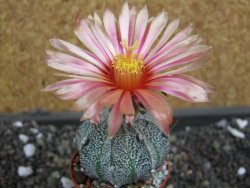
(128, 68)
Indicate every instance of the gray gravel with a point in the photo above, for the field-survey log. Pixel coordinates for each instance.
(205, 156)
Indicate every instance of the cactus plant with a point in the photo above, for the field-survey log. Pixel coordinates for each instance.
(129, 65)
(126, 158)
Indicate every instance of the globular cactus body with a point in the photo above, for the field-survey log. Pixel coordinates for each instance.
(126, 158)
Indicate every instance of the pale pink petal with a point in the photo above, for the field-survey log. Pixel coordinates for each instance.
(175, 40)
(97, 19)
(181, 70)
(68, 47)
(110, 26)
(102, 40)
(190, 55)
(71, 88)
(144, 36)
(102, 32)
(70, 64)
(112, 98)
(174, 50)
(141, 23)
(157, 106)
(180, 88)
(200, 83)
(124, 21)
(126, 106)
(130, 119)
(60, 84)
(76, 91)
(95, 119)
(132, 15)
(115, 120)
(86, 36)
(90, 97)
(85, 78)
(93, 111)
(155, 29)
(170, 29)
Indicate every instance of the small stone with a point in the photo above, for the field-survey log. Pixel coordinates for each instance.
(227, 148)
(24, 171)
(189, 172)
(23, 138)
(187, 128)
(174, 149)
(55, 174)
(236, 133)
(66, 182)
(29, 150)
(241, 171)
(95, 183)
(205, 183)
(241, 123)
(103, 184)
(34, 130)
(222, 123)
(170, 186)
(34, 123)
(207, 165)
(216, 144)
(39, 136)
(52, 182)
(18, 124)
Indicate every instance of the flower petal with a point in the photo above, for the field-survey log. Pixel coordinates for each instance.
(124, 21)
(179, 87)
(107, 41)
(86, 78)
(112, 98)
(157, 106)
(170, 29)
(77, 90)
(89, 98)
(181, 70)
(103, 39)
(115, 120)
(110, 26)
(126, 106)
(132, 15)
(193, 54)
(93, 111)
(200, 83)
(179, 38)
(60, 84)
(86, 36)
(155, 29)
(141, 23)
(68, 47)
(70, 64)
(174, 50)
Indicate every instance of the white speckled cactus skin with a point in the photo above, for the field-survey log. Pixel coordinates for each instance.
(128, 157)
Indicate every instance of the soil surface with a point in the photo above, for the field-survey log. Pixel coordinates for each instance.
(201, 157)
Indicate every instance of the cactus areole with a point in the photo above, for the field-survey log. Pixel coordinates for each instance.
(128, 157)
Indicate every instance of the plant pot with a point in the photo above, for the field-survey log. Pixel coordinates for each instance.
(78, 177)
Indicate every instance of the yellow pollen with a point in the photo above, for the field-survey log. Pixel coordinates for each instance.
(128, 64)
(128, 68)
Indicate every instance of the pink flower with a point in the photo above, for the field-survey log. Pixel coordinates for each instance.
(127, 66)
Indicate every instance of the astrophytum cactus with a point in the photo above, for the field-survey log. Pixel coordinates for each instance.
(128, 157)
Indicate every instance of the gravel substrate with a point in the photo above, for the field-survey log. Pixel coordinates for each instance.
(205, 156)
